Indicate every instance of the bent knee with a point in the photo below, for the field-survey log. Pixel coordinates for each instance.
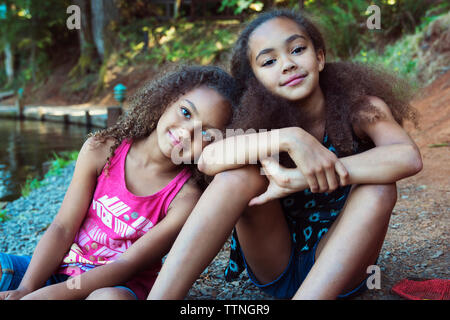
(381, 195)
(112, 293)
(243, 179)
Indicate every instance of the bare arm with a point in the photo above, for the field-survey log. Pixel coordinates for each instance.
(237, 151)
(318, 165)
(394, 157)
(58, 238)
(144, 253)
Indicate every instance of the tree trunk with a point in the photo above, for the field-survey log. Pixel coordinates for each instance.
(9, 62)
(176, 9)
(88, 56)
(268, 4)
(301, 4)
(103, 13)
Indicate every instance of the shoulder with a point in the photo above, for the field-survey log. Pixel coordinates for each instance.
(377, 111)
(380, 105)
(95, 152)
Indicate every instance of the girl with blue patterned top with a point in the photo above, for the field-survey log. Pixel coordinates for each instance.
(310, 227)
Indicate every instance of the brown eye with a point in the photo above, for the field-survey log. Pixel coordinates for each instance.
(269, 62)
(298, 49)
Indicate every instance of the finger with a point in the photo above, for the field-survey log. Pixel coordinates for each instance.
(261, 199)
(332, 179)
(271, 165)
(279, 174)
(312, 182)
(342, 173)
(322, 180)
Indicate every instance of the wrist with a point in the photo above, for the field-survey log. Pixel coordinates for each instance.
(289, 137)
(26, 289)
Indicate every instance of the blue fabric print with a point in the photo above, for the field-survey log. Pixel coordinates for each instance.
(314, 217)
(309, 214)
(323, 231)
(310, 204)
(307, 232)
(233, 266)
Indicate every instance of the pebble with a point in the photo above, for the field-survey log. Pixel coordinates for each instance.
(437, 254)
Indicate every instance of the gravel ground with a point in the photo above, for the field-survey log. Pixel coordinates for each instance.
(29, 217)
(416, 244)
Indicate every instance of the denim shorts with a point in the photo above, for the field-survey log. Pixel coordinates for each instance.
(287, 284)
(13, 269)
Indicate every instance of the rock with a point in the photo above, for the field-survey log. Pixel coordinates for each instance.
(437, 254)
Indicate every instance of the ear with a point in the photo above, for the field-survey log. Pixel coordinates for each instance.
(321, 59)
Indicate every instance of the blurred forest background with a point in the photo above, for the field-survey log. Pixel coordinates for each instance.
(129, 41)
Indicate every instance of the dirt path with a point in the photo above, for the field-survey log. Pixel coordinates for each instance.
(417, 240)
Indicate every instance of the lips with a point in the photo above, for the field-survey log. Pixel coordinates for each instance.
(293, 80)
(174, 139)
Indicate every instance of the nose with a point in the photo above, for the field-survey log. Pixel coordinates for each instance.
(182, 133)
(187, 130)
(288, 65)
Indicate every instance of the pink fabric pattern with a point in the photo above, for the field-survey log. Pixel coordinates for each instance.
(116, 219)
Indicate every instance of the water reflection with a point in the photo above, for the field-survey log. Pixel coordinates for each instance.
(26, 145)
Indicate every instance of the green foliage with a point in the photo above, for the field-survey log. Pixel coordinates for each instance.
(4, 215)
(61, 161)
(342, 24)
(196, 42)
(402, 56)
(37, 29)
(32, 28)
(239, 6)
(58, 162)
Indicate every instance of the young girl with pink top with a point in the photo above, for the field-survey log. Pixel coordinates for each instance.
(311, 227)
(133, 187)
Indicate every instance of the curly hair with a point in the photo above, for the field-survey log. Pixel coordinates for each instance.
(150, 102)
(346, 87)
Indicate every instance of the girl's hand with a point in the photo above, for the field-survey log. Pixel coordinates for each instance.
(52, 292)
(282, 182)
(321, 168)
(13, 294)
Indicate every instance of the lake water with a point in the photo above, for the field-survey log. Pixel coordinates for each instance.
(26, 145)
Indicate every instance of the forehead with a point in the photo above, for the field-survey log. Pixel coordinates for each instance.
(213, 109)
(274, 32)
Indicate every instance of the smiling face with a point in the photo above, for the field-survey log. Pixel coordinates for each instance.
(190, 123)
(284, 60)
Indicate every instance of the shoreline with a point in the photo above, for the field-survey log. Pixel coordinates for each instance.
(87, 116)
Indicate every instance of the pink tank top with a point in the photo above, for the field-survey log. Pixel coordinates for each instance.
(116, 219)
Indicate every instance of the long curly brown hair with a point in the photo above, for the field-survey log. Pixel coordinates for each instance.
(346, 87)
(150, 102)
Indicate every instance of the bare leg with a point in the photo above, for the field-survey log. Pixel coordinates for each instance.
(111, 293)
(265, 240)
(352, 243)
(208, 227)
